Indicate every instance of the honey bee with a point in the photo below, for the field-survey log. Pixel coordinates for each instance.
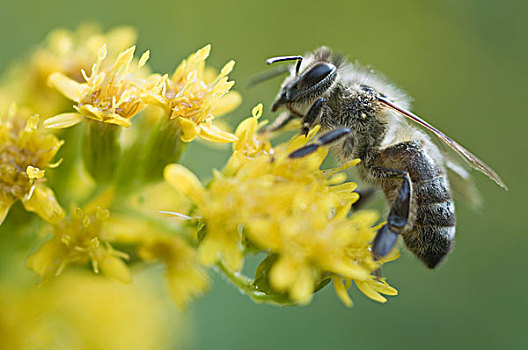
(364, 116)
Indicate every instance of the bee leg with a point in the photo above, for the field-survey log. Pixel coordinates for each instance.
(313, 114)
(398, 216)
(282, 120)
(383, 242)
(322, 140)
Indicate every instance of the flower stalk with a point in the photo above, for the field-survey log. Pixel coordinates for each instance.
(101, 150)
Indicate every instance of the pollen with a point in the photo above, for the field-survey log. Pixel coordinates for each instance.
(25, 151)
(111, 95)
(194, 94)
(80, 239)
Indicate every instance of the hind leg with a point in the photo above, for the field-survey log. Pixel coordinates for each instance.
(399, 213)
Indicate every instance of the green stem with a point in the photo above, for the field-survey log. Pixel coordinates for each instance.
(101, 150)
(246, 286)
(163, 147)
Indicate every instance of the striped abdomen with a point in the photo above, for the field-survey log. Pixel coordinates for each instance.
(431, 227)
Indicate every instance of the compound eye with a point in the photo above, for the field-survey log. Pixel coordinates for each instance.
(317, 74)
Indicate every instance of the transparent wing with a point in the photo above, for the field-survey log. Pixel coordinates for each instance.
(462, 184)
(467, 156)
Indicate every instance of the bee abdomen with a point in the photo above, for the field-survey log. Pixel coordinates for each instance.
(432, 190)
(436, 214)
(430, 243)
(433, 231)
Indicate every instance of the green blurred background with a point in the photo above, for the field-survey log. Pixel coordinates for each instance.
(464, 62)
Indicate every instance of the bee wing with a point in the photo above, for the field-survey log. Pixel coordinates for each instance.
(462, 184)
(467, 156)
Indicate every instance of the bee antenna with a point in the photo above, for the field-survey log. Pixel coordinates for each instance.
(287, 58)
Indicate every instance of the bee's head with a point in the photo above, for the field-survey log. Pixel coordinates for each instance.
(309, 79)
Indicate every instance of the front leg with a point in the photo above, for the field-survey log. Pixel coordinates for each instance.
(323, 140)
(282, 120)
(399, 214)
(314, 113)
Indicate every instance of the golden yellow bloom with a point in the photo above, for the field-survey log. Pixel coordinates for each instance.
(194, 95)
(64, 51)
(289, 208)
(218, 210)
(249, 144)
(111, 96)
(79, 240)
(25, 151)
(185, 276)
(83, 311)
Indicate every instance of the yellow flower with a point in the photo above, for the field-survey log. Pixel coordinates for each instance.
(83, 311)
(194, 95)
(25, 152)
(297, 213)
(249, 144)
(64, 51)
(79, 240)
(111, 96)
(223, 239)
(185, 276)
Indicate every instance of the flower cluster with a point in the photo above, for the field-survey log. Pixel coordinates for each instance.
(133, 205)
(25, 152)
(193, 95)
(289, 208)
(63, 52)
(77, 240)
(112, 96)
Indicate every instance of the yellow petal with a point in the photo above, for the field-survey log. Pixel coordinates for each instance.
(384, 288)
(203, 53)
(341, 292)
(208, 251)
(283, 273)
(185, 285)
(115, 268)
(214, 134)
(91, 112)
(366, 288)
(64, 120)
(43, 202)
(183, 180)
(47, 260)
(232, 257)
(265, 233)
(227, 68)
(4, 209)
(123, 60)
(117, 120)
(227, 103)
(257, 110)
(189, 129)
(144, 58)
(302, 290)
(68, 87)
(337, 179)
